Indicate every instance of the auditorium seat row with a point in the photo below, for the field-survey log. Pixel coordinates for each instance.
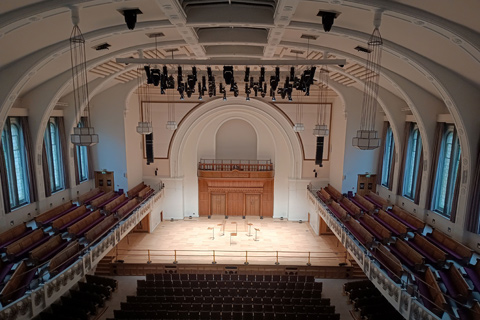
(230, 277)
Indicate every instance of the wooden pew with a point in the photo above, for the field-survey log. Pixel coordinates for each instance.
(112, 206)
(70, 218)
(470, 313)
(392, 224)
(430, 251)
(18, 248)
(456, 286)
(125, 210)
(450, 246)
(64, 258)
(432, 296)
(393, 265)
(407, 254)
(338, 211)
(96, 203)
(14, 234)
(336, 195)
(18, 284)
(145, 193)
(89, 196)
(360, 232)
(100, 229)
(408, 219)
(324, 196)
(5, 268)
(380, 232)
(132, 193)
(377, 200)
(473, 272)
(52, 214)
(82, 226)
(363, 203)
(351, 207)
(47, 250)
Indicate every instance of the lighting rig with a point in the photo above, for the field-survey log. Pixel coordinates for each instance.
(189, 84)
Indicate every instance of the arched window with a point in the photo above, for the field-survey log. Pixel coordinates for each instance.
(446, 174)
(387, 158)
(412, 163)
(54, 156)
(15, 156)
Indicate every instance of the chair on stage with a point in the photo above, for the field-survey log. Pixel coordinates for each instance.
(232, 234)
(256, 235)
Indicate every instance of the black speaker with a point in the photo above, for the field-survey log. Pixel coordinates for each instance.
(319, 153)
(149, 147)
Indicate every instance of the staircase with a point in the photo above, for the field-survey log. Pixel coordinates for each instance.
(104, 267)
(357, 272)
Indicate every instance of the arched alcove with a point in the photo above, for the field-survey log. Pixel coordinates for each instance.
(236, 139)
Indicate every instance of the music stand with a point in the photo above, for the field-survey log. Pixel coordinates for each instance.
(222, 228)
(213, 232)
(256, 230)
(249, 229)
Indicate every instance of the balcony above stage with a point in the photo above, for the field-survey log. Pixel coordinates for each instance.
(213, 168)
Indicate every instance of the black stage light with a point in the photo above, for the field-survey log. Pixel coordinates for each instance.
(262, 75)
(255, 88)
(149, 76)
(327, 19)
(179, 75)
(277, 74)
(264, 90)
(228, 74)
(194, 73)
(247, 74)
(292, 73)
(131, 17)
(181, 90)
(155, 74)
(171, 82)
(204, 85)
(212, 90)
(200, 93)
(247, 92)
(273, 83)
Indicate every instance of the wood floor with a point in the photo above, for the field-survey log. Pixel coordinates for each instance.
(200, 240)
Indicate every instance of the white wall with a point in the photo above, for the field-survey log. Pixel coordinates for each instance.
(337, 139)
(236, 139)
(134, 144)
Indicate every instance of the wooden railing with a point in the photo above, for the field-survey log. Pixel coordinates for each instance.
(231, 165)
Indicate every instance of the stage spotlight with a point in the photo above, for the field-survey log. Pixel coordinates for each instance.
(223, 90)
(149, 76)
(171, 82)
(194, 73)
(247, 74)
(264, 90)
(228, 74)
(204, 85)
(292, 73)
(131, 17)
(200, 92)
(327, 19)
(247, 92)
(262, 75)
(155, 74)
(181, 90)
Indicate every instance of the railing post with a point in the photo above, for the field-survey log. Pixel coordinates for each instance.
(246, 258)
(149, 260)
(308, 263)
(277, 263)
(175, 257)
(214, 262)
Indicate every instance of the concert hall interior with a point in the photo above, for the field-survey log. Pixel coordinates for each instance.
(239, 159)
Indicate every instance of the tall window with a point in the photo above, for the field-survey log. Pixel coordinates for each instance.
(16, 162)
(387, 158)
(412, 163)
(54, 155)
(82, 159)
(446, 174)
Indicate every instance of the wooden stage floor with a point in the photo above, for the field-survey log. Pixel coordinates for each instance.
(194, 244)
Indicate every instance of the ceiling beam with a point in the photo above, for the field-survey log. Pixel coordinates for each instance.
(237, 62)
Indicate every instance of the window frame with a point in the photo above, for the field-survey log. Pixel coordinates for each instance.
(387, 161)
(412, 163)
(54, 159)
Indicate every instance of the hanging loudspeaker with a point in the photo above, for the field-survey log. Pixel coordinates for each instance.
(149, 147)
(319, 153)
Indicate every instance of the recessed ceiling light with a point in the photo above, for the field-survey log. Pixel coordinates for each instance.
(155, 35)
(362, 49)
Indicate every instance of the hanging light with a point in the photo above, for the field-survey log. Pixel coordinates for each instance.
(321, 128)
(144, 106)
(83, 133)
(367, 136)
(171, 124)
(299, 126)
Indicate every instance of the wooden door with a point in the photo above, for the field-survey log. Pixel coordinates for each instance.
(217, 204)
(252, 204)
(235, 204)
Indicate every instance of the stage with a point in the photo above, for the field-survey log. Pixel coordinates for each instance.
(213, 241)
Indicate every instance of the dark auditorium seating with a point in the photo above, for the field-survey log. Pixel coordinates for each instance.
(48, 249)
(427, 249)
(431, 295)
(112, 284)
(18, 283)
(470, 313)
(20, 247)
(14, 234)
(455, 284)
(450, 246)
(5, 268)
(473, 273)
(52, 214)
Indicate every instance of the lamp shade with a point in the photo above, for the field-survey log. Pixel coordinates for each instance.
(84, 136)
(171, 125)
(366, 140)
(320, 130)
(298, 127)
(144, 127)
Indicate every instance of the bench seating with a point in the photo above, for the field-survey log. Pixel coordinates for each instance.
(82, 226)
(450, 246)
(14, 234)
(5, 268)
(351, 207)
(430, 251)
(18, 284)
(86, 198)
(113, 206)
(336, 195)
(47, 250)
(324, 196)
(52, 214)
(471, 313)
(133, 192)
(363, 203)
(407, 254)
(379, 232)
(96, 232)
(377, 200)
(393, 266)
(127, 209)
(456, 286)
(103, 199)
(407, 219)
(64, 258)
(145, 193)
(360, 232)
(392, 224)
(473, 273)
(432, 296)
(62, 223)
(338, 211)
(18, 248)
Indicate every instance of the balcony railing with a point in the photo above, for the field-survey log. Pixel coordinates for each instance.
(231, 165)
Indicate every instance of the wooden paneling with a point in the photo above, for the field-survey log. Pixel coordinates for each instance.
(235, 204)
(218, 203)
(366, 183)
(252, 204)
(104, 180)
